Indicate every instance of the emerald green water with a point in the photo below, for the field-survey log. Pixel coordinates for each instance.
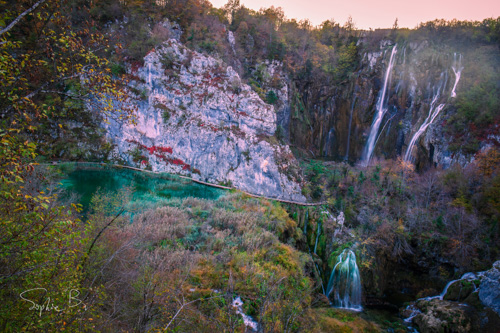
(147, 189)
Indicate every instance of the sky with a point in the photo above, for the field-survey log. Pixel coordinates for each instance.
(379, 13)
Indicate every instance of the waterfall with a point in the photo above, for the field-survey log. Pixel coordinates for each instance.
(306, 219)
(349, 130)
(414, 311)
(318, 232)
(457, 69)
(345, 282)
(433, 113)
(370, 144)
(231, 40)
(328, 144)
(249, 322)
(467, 276)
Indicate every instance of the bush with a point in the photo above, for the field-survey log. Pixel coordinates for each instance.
(271, 97)
(118, 69)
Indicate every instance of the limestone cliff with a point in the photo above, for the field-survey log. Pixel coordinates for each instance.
(335, 120)
(195, 117)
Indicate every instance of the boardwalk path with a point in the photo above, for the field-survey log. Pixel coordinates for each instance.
(194, 180)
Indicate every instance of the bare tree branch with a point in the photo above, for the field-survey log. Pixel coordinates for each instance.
(184, 304)
(19, 18)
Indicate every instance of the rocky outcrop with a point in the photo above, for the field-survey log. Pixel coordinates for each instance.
(489, 289)
(443, 316)
(195, 117)
(468, 304)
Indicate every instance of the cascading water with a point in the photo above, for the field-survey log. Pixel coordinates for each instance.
(433, 113)
(306, 219)
(457, 69)
(414, 311)
(381, 109)
(249, 322)
(433, 110)
(349, 130)
(328, 144)
(318, 232)
(344, 286)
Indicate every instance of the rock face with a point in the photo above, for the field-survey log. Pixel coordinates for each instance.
(489, 289)
(335, 121)
(196, 118)
(443, 316)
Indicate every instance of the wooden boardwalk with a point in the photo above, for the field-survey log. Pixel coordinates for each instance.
(196, 181)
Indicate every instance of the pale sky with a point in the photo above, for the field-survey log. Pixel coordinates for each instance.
(379, 13)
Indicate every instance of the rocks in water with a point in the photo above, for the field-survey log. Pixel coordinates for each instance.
(489, 290)
(443, 316)
(195, 117)
(469, 304)
(459, 290)
(435, 315)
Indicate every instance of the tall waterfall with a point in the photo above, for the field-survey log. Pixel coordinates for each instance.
(346, 158)
(381, 110)
(457, 69)
(435, 110)
(345, 282)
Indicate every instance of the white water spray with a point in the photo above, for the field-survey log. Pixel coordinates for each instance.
(249, 322)
(381, 110)
(457, 69)
(345, 282)
(433, 113)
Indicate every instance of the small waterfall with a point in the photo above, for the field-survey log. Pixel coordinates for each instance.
(414, 311)
(249, 322)
(467, 276)
(349, 130)
(433, 113)
(345, 282)
(328, 143)
(457, 69)
(318, 232)
(370, 143)
(306, 219)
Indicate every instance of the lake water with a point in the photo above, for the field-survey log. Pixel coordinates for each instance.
(148, 189)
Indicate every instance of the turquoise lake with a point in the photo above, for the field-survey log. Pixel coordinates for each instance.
(148, 190)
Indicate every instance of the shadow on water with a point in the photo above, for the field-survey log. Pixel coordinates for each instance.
(148, 189)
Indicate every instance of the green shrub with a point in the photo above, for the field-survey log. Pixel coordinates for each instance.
(271, 97)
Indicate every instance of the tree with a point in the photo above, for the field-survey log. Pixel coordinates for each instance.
(230, 8)
(395, 26)
(46, 66)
